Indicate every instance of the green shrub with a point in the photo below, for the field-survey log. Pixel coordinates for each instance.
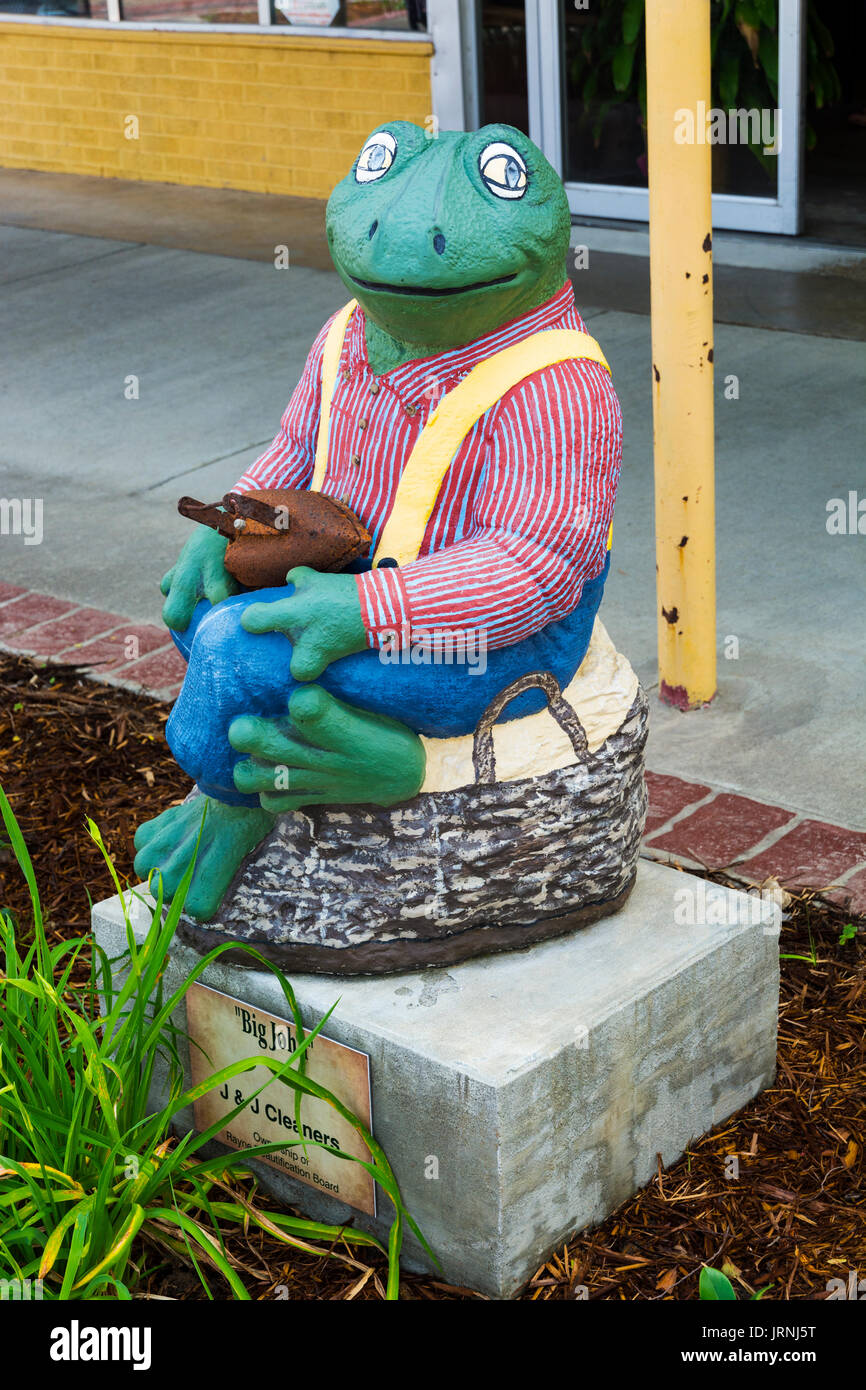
(84, 1169)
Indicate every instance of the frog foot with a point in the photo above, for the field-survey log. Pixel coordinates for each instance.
(167, 844)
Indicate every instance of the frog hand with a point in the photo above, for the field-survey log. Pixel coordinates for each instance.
(326, 753)
(199, 572)
(322, 617)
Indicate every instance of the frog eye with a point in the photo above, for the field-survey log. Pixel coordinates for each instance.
(376, 157)
(503, 171)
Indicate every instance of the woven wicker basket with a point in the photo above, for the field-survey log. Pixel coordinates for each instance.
(449, 875)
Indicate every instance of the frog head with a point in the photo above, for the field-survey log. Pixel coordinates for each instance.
(443, 239)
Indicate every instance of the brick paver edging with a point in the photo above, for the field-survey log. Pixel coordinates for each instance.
(694, 824)
(137, 656)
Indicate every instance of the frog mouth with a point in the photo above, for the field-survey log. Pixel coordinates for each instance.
(427, 291)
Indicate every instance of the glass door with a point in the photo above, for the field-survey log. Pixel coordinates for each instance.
(580, 92)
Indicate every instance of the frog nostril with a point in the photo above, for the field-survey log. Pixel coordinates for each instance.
(438, 243)
(372, 231)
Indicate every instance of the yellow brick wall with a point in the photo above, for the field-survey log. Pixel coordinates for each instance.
(274, 113)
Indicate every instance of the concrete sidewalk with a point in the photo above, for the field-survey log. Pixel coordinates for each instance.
(216, 345)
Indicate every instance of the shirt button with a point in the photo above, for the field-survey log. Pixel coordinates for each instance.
(374, 388)
(356, 459)
(362, 424)
(411, 409)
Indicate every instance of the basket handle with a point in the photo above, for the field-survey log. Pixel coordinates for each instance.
(483, 758)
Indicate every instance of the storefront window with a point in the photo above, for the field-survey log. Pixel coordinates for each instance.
(56, 9)
(352, 14)
(356, 14)
(186, 11)
(604, 122)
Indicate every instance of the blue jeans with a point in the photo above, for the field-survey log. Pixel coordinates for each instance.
(231, 671)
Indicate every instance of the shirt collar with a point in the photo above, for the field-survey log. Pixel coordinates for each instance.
(447, 368)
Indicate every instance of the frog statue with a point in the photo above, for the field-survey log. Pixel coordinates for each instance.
(437, 752)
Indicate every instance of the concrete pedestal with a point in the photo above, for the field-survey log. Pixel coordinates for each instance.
(544, 1083)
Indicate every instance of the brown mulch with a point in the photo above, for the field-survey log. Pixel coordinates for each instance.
(794, 1217)
(72, 748)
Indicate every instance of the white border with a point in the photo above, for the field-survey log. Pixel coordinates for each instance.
(544, 78)
(452, 29)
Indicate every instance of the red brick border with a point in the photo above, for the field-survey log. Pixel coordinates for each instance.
(754, 841)
(721, 830)
(694, 824)
(137, 656)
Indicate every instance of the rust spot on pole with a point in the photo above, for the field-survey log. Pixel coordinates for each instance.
(684, 541)
(658, 375)
(675, 695)
(708, 243)
(678, 696)
(670, 615)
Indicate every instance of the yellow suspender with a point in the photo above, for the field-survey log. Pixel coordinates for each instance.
(330, 367)
(448, 424)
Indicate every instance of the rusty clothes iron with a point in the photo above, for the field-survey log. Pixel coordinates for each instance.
(270, 531)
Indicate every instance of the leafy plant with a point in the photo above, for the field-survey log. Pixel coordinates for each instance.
(609, 64)
(714, 1286)
(848, 933)
(84, 1168)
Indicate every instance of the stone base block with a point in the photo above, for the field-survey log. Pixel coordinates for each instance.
(544, 1083)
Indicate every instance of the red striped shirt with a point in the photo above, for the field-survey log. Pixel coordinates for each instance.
(522, 517)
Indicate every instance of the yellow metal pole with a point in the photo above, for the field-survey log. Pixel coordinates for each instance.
(681, 276)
